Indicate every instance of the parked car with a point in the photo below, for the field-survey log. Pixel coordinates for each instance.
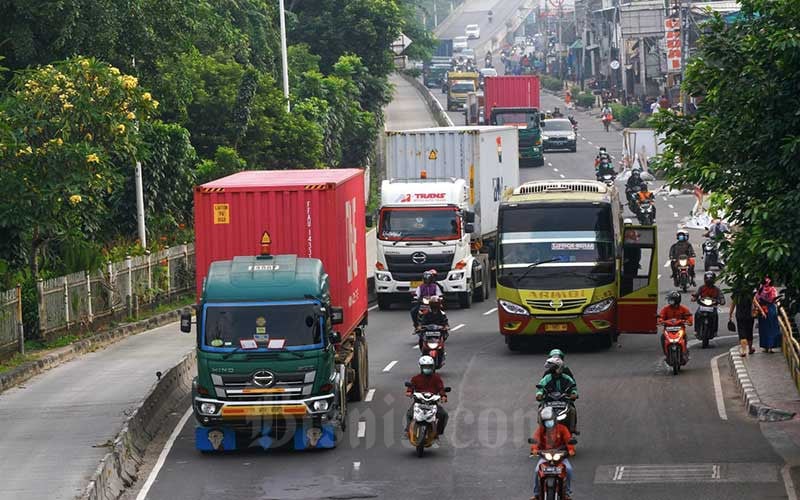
(460, 43)
(473, 31)
(557, 133)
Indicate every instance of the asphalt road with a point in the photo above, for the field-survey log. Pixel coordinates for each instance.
(646, 434)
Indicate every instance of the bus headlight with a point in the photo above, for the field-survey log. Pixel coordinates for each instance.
(512, 308)
(598, 307)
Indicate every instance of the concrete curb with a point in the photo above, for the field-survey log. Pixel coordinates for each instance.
(119, 468)
(755, 407)
(101, 340)
(434, 106)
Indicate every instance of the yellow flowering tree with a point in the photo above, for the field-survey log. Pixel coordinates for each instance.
(66, 130)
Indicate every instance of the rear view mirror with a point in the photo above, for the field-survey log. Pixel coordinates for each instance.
(407, 384)
(186, 322)
(539, 386)
(531, 441)
(572, 441)
(469, 216)
(469, 228)
(448, 389)
(337, 315)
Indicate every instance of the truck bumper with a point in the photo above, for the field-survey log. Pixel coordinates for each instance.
(456, 282)
(302, 436)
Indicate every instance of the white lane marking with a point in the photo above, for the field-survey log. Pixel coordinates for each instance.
(718, 387)
(561, 175)
(664, 198)
(590, 142)
(598, 147)
(583, 138)
(362, 429)
(659, 276)
(356, 465)
(612, 156)
(549, 164)
(457, 327)
(675, 214)
(372, 308)
(390, 366)
(162, 457)
(786, 473)
(415, 346)
(490, 311)
(370, 395)
(666, 264)
(671, 206)
(555, 170)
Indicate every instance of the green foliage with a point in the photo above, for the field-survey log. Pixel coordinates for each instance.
(552, 84)
(743, 142)
(643, 122)
(584, 99)
(226, 162)
(625, 114)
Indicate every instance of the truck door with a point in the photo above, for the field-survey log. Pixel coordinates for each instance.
(637, 305)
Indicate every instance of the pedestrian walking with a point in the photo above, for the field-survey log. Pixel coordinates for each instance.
(742, 312)
(769, 332)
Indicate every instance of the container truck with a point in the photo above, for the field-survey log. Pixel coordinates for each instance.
(282, 308)
(439, 209)
(514, 100)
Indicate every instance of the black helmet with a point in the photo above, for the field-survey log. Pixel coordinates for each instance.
(674, 298)
(429, 276)
(602, 149)
(709, 278)
(643, 187)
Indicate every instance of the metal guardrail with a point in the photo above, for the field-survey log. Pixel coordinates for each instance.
(790, 345)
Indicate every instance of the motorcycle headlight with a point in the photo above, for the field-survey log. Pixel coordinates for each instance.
(512, 308)
(548, 456)
(683, 262)
(383, 276)
(433, 345)
(598, 307)
(556, 456)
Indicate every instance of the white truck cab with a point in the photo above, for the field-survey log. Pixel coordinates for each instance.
(426, 224)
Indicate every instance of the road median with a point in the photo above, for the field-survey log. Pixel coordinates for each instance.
(434, 106)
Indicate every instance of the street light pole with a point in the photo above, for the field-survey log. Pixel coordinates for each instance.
(284, 56)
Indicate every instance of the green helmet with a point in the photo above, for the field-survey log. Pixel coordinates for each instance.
(556, 353)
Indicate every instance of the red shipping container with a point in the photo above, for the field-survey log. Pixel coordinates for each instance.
(511, 92)
(310, 213)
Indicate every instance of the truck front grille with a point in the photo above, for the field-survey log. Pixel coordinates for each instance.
(294, 385)
(404, 268)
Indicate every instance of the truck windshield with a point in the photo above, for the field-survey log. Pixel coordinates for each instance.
(298, 325)
(580, 238)
(420, 224)
(461, 87)
(526, 119)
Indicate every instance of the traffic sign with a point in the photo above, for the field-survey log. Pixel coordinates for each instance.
(401, 44)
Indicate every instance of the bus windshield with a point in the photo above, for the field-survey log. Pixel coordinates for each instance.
(574, 245)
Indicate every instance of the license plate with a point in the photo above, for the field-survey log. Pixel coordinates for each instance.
(262, 411)
(415, 284)
(555, 327)
(552, 470)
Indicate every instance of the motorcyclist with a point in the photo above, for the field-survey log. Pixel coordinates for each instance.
(606, 115)
(710, 289)
(682, 247)
(428, 381)
(428, 288)
(642, 195)
(558, 353)
(717, 230)
(555, 380)
(573, 121)
(490, 13)
(550, 435)
(434, 316)
(674, 310)
(602, 154)
(557, 113)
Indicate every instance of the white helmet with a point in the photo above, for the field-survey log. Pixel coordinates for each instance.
(427, 365)
(547, 413)
(554, 364)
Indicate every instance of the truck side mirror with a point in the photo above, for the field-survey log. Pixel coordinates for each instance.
(469, 216)
(186, 322)
(336, 338)
(469, 228)
(337, 315)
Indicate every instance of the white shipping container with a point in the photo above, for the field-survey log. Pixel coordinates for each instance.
(487, 157)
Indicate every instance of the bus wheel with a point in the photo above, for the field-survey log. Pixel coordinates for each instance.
(605, 340)
(513, 343)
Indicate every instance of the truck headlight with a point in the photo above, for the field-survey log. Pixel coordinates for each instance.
(512, 308)
(598, 307)
(321, 406)
(571, 137)
(208, 408)
(456, 276)
(544, 137)
(383, 276)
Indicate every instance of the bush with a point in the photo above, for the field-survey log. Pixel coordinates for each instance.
(585, 100)
(626, 115)
(553, 84)
(643, 122)
(413, 72)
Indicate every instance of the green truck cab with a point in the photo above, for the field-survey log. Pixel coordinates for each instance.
(528, 123)
(270, 373)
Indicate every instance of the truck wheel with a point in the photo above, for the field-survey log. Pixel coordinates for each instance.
(360, 366)
(479, 293)
(384, 304)
(465, 300)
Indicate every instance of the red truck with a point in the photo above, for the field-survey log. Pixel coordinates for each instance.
(514, 100)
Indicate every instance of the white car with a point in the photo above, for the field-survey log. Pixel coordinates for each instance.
(473, 31)
(460, 43)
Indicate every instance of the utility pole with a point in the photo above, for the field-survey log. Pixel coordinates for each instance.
(684, 47)
(560, 20)
(435, 14)
(139, 185)
(284, 56)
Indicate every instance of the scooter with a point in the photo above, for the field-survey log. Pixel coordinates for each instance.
(606, 176)
(561, 404)
(706, 316)
(682, 276)
(431, 342)
(711, 256)
(675, 350)
(422, 430)
(551, 473)
(646, 212)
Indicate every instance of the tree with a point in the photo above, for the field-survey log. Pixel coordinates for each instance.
(67, 127)
(743, 144)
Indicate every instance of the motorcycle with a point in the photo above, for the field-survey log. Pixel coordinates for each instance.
(675, 348)
(431, 342)
(561, 404)
(682, 276)
(422, 430)
(711, 256)
(645, 212)
(706, 317)
(551, 473)
(606, 176)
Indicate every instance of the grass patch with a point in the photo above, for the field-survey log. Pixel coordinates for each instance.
(15, 361)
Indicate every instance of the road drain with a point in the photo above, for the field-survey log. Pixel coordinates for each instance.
(683, 473)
